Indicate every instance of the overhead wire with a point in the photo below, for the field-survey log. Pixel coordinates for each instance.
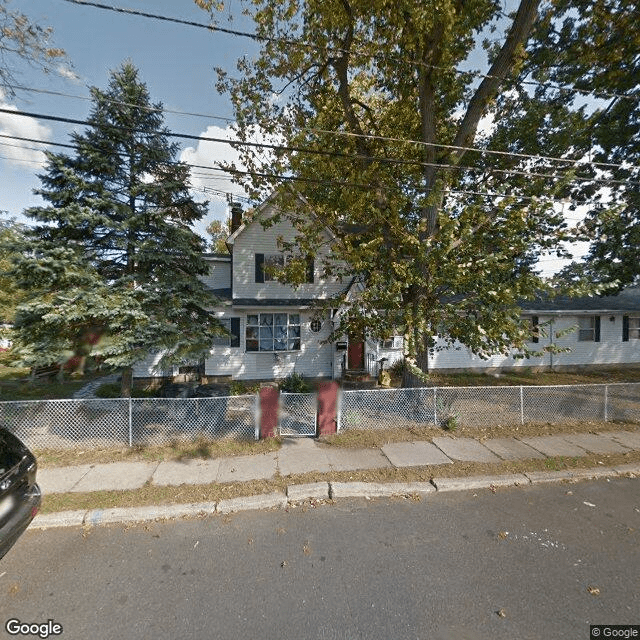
(327, 153)
(260, 38)
(435, 145)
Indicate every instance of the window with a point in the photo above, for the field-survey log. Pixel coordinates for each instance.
(535, 330)
(265, 263)
(630, 328)
(316, 325)
(391, 343)
(232, 325)
(273, 332)
(589, 328)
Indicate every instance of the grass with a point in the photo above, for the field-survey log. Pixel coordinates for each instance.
(155, 495)
(15, 385)
(179, 450)
(528, 377)
(368, 439)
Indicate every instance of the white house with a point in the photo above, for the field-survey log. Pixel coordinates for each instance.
(274, 332)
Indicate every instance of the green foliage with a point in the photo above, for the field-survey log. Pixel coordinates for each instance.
(11, 294)
(294, 383)
(440, 235)
(239, 388)
(112, 266)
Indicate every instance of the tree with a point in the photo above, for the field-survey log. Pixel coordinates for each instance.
(595, 47)
(22, 39)
(219, 234)
(112, 267)
(383, 135)
(11, 233)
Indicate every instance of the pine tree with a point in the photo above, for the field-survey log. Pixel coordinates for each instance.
(112, 266)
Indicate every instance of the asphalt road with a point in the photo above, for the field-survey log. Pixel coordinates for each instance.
(551, 559)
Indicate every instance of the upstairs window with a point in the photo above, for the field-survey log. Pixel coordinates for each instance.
(589, 329)
(267, 263)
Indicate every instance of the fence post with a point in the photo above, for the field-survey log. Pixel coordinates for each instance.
(327, 408)
(606, 402)
(269, 397)
(435, 406)
(256, 416)
(521, 405)
(130, 424)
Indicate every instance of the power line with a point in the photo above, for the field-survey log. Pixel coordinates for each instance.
(297, 43)
(511, 154)
(273, 176)
(326, 153)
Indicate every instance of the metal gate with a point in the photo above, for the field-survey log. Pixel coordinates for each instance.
(298, 414)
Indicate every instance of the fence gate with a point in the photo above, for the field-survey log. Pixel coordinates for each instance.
(298, 414)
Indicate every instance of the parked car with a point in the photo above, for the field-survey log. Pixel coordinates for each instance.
(20, 496)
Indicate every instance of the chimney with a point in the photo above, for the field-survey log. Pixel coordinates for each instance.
(236, 216)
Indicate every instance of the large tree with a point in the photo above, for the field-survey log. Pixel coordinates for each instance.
(594, 46)
(112, 266)
(391, 144)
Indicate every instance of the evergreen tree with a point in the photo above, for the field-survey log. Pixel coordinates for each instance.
(112, 266)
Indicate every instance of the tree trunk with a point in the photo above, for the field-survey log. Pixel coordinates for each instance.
(126, 383)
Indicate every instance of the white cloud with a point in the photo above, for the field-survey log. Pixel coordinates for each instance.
(210, 154)
(21, 152)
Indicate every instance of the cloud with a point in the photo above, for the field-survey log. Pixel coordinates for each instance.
(21, 152)
(210, 154)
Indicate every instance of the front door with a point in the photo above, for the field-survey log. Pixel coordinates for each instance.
(356, 354)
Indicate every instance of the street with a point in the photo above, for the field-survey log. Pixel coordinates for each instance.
(538, 562)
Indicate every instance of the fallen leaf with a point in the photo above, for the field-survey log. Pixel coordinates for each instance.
(283, 563)
(589, 504)
(594, 591)
(503, 534)
(501, 613)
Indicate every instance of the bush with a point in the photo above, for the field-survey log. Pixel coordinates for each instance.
(239, 388)
(111, 390)
(294, 383)
(397, 368)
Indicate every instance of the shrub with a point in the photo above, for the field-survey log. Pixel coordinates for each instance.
(294, 383)
(111, 390)
(397, 368)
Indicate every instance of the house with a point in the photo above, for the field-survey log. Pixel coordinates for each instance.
(274, 332)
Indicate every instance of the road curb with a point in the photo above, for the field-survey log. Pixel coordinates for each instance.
(320, 491)
(480, 482)
(249, 503)
(378, 490)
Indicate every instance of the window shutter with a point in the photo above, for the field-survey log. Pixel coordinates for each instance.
(235, 332)
(310, 269)
(535, 338)
(597, 329)
(625, 328)
(259, 267)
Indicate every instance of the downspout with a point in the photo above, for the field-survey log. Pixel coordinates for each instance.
(551, 343)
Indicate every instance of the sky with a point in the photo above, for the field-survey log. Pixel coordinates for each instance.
(175, 61)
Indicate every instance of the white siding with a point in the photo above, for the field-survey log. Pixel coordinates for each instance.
(148, 368)
(313, 360)
(254, 239)
(219, 274)
(610, 350)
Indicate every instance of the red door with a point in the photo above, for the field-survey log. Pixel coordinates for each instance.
(356, 354)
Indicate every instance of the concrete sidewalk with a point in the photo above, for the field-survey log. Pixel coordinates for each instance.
(304, 455)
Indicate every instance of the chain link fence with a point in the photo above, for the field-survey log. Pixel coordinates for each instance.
(298, 414)
(69, 424)
(488, 406)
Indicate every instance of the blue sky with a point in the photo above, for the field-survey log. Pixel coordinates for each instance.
(175, 61)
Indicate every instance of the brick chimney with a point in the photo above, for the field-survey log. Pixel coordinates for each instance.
(236, 216)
